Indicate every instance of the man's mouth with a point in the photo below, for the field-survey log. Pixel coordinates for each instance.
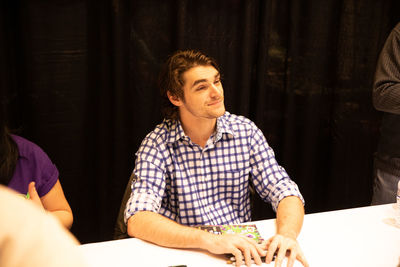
(216, 102)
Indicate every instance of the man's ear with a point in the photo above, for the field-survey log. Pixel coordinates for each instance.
(175, 100)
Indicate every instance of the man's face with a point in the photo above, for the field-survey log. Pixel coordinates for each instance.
(203, 94)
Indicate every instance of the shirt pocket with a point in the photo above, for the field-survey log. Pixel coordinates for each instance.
(233, 183)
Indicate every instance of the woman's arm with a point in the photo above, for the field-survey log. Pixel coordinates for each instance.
(54, 202)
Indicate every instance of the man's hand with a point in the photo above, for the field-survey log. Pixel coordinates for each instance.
(282, 246)
(239, 246)
(34, 196)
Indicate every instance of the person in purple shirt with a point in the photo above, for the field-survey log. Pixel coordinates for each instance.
(26, 168)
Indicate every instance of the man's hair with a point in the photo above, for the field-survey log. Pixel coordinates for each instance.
(171, 80)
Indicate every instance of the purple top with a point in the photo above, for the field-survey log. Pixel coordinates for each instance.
(33, 165)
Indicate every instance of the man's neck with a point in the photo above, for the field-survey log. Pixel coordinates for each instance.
(199, 130)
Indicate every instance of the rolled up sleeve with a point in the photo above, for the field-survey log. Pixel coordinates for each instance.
(270, 180)
(149, 186)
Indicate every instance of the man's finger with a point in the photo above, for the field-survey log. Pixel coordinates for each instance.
(301, 258)
(271, 251)
(247, 256)
(255, 253)
(292, 258)
(281, 255)
(238, 257)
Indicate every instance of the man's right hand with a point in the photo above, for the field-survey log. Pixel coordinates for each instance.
(237, 245)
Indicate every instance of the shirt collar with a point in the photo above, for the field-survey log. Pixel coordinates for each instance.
(223, 127)
(175, 130)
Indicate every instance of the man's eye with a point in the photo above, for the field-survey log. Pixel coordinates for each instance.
(217, 82)
(201, 88)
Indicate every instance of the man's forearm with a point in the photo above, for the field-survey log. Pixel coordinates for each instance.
(162, 231)
(155, 228)
(289, 217)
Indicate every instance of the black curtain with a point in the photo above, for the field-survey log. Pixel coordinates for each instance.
(79, 79)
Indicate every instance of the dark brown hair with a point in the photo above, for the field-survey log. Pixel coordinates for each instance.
(170, 79)
(8, 152)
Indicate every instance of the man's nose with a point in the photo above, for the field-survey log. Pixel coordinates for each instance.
(215, 91)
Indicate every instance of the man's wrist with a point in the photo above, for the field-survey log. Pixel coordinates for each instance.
(204, 238)
(288, 233)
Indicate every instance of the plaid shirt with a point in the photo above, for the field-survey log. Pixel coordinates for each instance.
(196, 186)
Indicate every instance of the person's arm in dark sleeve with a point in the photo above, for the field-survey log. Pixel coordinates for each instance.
(386, 87)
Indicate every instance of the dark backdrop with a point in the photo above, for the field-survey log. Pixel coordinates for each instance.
(79, 78)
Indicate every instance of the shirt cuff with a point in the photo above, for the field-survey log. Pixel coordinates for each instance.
(141, 202)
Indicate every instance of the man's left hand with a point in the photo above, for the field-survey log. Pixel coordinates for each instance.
(282, 246)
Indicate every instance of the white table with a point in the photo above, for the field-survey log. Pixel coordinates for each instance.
(361, 237)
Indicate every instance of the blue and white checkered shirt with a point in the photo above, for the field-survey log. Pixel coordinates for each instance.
(196, 186)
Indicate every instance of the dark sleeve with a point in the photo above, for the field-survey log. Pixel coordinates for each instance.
(386, 88)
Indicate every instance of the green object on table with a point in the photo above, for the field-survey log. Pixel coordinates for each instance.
(27, 196)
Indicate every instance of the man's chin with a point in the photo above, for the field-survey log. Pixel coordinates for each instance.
(216, 112)
(220, 112)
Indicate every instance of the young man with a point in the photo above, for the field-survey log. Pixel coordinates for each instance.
(196, 167)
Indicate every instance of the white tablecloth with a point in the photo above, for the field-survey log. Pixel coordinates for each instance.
(364, 237)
